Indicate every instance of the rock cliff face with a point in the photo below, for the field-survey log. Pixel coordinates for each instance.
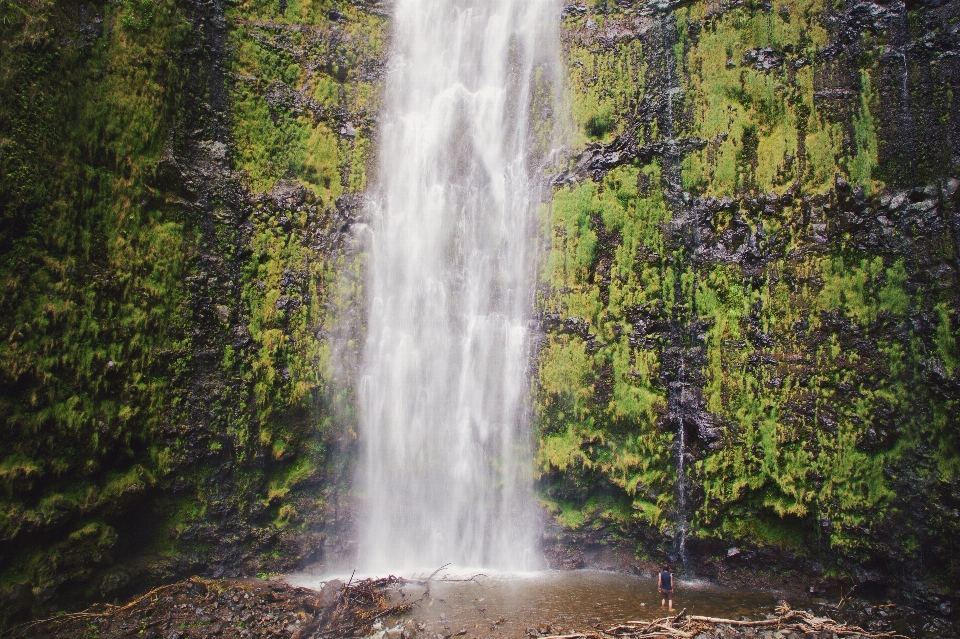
(750, 291)
(178, 184)
(748, 298)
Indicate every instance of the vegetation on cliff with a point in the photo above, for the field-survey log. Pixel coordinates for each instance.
(174, 181)
(752, 278)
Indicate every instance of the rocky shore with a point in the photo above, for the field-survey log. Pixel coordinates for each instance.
(388, 608)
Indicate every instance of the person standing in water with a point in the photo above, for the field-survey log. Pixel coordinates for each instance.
(665, 586)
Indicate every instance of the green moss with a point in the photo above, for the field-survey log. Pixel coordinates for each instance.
(776, 460)
(101, 291)
(295, 474)
(93, 263)
(611, 435)
(745, 526)
(758, 119)
(946, 339)
(863, 291)
(602, 86)
(862, 166)
(812, 386)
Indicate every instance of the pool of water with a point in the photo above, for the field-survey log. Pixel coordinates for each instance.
(509, 604)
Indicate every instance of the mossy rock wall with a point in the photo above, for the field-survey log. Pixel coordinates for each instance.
(752, 261)
(178, 184)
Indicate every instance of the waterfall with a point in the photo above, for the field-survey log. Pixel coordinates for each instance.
(446, 469)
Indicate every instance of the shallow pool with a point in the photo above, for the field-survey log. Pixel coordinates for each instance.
(509, 604)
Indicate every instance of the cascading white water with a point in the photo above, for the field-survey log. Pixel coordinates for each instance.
(442, 404)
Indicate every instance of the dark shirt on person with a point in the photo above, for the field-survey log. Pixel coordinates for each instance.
(666, 581)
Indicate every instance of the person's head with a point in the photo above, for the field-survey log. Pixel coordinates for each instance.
(666, 567)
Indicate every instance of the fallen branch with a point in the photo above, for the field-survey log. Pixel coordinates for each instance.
(616, 630)
(733, 622)
(686, 626)
(445, 579)
(455, 579)
(434, 573)
(673, 631)
(845, 599)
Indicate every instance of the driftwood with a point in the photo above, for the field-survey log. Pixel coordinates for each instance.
(687, 626)
(360, 605)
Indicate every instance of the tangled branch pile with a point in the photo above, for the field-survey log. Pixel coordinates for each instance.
(359, 605)
(785, 625)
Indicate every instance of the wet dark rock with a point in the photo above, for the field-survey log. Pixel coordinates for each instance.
(287, 303)
(950, 188)
(574, 10)
(599, 159)
(16, 600)
(762, 59)
(288, 195)
(89, 25)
